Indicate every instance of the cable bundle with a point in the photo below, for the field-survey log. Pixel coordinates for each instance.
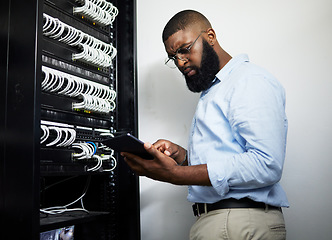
(100, 160)
(99, 11)
(88, 151)
(93, 56)
(96, 97)
(94, 51)
(94, 104)
(64, 137)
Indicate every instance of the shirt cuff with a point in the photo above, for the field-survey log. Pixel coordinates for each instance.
(217, 178)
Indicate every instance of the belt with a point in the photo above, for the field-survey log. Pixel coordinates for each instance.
(200, 208)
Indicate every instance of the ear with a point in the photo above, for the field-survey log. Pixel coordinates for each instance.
(211, 36)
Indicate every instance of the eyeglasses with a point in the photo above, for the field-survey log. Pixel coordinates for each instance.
(180, 54)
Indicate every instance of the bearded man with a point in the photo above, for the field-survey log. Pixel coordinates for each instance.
(236, 148)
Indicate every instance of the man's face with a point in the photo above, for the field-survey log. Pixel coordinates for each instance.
(203, 63)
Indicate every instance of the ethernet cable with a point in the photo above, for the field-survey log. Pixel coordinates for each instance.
(100, 160)
(68, 85)
(68, 137)
(94, 104)
(99, 11)
(111, 157)
(46, 133)
(94, 51)
(88, 150)
(62, 209)
(58, 137)
(96, 97)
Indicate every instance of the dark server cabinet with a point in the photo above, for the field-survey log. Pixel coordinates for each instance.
(68, 82)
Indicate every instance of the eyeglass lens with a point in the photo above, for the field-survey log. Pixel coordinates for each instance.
(183, 53)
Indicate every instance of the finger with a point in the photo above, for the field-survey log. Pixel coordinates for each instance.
(164, 147)
(168, 152)
(152, 150)
(160, 159)
(161, 149)
(161, 145)
(164, 151)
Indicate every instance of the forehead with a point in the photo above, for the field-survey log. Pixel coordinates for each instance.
(179, 39)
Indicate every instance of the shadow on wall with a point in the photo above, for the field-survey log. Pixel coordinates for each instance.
(166, 105)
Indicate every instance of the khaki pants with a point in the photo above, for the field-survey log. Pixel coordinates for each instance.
(239, 224)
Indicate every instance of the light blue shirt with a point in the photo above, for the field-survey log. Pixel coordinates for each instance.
(239, 130)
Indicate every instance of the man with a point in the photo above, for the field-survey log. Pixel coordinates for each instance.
(237, 141)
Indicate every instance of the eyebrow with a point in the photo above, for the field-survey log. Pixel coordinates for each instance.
(181, 46)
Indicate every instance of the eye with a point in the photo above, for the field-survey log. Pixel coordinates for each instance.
(182, 51)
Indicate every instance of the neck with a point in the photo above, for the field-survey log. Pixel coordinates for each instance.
(224, 57)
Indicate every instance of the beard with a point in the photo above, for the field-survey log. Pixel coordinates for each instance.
(206, 73)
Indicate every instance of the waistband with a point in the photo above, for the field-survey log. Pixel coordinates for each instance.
(200, 208)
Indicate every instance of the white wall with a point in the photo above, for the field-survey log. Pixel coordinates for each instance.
(292, 39)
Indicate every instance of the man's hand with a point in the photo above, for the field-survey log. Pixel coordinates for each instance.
(170, 149)
(161, 167)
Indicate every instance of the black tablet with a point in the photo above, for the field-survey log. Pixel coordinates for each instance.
(128, 143)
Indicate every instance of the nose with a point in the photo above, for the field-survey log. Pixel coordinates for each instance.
(181, 63)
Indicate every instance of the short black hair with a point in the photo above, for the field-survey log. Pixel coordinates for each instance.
(182, 20)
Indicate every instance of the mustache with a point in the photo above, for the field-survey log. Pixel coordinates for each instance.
(188, 69)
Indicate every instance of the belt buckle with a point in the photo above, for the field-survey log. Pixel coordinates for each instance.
(196, 210)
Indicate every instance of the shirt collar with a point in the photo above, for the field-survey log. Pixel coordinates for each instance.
(233, 63)
(226, 70)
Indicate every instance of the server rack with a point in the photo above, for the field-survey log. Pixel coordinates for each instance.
(40, 167)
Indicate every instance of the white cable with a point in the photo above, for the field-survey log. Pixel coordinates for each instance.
(58, 137)
(65, 131)
(87, 150)
(114, 164)
(72, 138)
(47, 22)
(83, 154)
(95, 51)
(96, 97)
(99, 11)
(50, 80)
(94, 104)
(46, 133)
(61, 209)
(70, 82)
(69, 135)
(95, 56)
(98, 166)
(59, 84)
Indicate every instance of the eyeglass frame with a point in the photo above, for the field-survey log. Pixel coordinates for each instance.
(175, 58)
